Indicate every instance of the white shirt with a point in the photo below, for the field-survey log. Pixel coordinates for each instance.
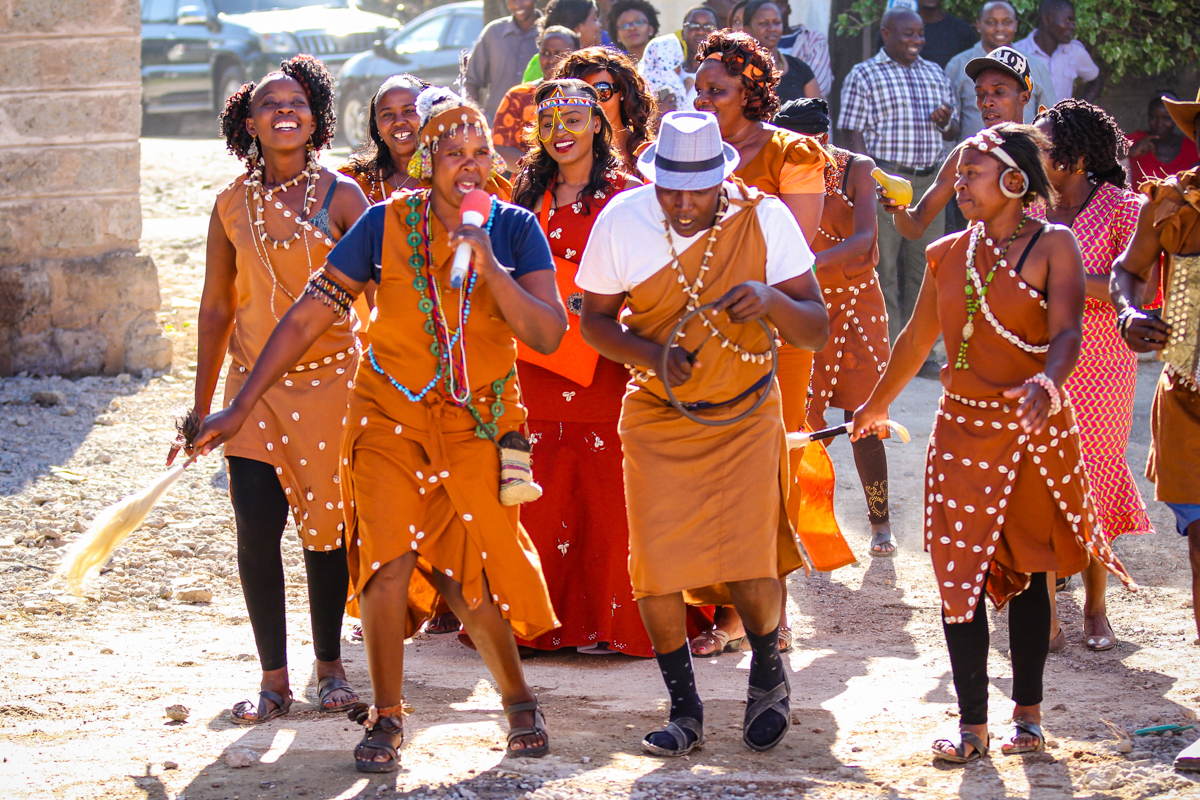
(1066, 63)
(627, 245)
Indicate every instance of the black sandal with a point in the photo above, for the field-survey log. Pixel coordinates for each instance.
(965, 738)
(677, 729)
(759, 702)
(1033, 729)
(538, 729)
(386, 735)
(238, 713)
(329, 685)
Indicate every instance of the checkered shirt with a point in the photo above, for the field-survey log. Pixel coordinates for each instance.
(890, 105)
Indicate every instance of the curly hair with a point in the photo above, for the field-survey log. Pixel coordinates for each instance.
(373, 154)
(568, 13)
(317, 84)
(639, 109)
(1080, 130)
(737, 51)
(619, 7)
(1026, 144)
(538, 169)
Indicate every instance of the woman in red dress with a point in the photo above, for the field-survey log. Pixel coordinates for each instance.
(574, 395)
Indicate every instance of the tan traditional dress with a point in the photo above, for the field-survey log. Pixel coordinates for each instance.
(1174, 463)
(416, 477)
(378, 190)
(297, 425)
(706, 504)
(1000, 504)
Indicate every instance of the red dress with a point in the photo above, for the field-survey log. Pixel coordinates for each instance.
(579, 525)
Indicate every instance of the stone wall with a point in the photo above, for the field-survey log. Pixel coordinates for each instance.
(74, 296)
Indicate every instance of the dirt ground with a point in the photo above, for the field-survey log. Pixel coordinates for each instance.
(87, 680)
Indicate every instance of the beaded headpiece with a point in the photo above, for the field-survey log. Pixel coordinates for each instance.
(556, 103)
(559, 99)
(992, 143)
(443, 113)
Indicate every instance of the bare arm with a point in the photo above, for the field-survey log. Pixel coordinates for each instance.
(348, 205)
(1127, 284)
(1091, 90)
(806, 208)
(530, 304)
(795, 307)
(1097, 287)
(218, 304)
(913, 222)
(855, 141)
(812, 89)
(601, 328)
(860, 184)
(302, 325)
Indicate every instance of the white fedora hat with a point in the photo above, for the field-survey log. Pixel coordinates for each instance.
(689, 154)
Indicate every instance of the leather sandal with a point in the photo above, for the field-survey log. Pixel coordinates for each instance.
(678, 729)
(1033, 729)
(329, 685)
(965, 738)
(537, 729)
(443, 623)
(1059, 642)
(238, 714)
(761, 701)
(1098, 643)
(719, 640)
(384, 735)
(879, 539)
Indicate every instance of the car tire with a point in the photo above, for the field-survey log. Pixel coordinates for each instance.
(228, 81)
(352, 118)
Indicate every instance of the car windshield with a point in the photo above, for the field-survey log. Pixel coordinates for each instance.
(247, 6)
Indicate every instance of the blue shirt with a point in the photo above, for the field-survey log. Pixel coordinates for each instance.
(517, 242)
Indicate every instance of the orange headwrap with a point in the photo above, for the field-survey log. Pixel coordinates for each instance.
(752, 72)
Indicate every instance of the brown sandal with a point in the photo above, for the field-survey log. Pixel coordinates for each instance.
(239, 713)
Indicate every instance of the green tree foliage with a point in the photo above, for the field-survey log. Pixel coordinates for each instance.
(1144, 37)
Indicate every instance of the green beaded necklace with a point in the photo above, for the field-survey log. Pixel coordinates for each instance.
(974, 301)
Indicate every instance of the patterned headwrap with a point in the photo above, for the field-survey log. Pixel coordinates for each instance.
(992, 143)
(442, 112)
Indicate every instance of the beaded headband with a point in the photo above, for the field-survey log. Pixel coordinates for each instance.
(560, 100)
(992, 143)
(447, 123)
(752, 72)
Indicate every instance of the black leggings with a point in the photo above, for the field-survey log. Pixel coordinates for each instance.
(261, 509)
(870, 459)
(1029, 643)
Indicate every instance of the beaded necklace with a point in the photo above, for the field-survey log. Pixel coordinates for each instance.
(833, 185)
(976, 288)
(378, 183)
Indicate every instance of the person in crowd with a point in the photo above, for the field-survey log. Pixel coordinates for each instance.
(380, 165)
(1161, 150)
(1168, 225)
(945, 34)
(1006, 492)
(807, 45)
(1092, 199)
(433, 395)
(500, 54)
(899, 109)
(736, 83)
(737, 15)
(581, 17)
(1001, 81)
(764, 21)
(1053, 43)
(845, 372)
(669, 64)
(705, 503)
(263, 242)
(632, 24)
(624, 95)
(516, 118)
(573, 395)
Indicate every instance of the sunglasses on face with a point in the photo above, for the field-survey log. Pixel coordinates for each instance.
(692, 27)
(604, 90)
(637, 23)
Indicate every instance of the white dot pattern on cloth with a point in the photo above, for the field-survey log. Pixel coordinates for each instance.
(863, 352)
(960, 537)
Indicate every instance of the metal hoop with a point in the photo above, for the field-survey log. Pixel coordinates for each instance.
(666, 354)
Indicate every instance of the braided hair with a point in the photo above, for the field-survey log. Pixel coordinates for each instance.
(539, 170)
(1080, 130)
(639, 109)
(373, 154)
(317, 84)
(737, 51)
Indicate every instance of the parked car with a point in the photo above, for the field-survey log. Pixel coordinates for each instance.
(195, 53)
(430, 47)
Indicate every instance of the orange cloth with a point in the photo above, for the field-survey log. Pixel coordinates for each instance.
(1174, 459)
(516, 116)
(787, 164)
(415, 476)
(497, 185)
(706, 504)
(296, 425)
(1000, 504)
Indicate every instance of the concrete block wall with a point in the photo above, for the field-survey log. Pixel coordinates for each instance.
(70, 116)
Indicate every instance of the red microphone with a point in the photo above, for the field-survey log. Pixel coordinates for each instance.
(475, 209)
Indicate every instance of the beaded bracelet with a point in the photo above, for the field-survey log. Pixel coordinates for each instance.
(1043, 380)
(330, 292)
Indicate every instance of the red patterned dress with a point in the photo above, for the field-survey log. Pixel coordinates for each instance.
(579, 526)
(1103, 383)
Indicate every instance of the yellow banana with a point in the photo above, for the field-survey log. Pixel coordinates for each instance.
(896, 189)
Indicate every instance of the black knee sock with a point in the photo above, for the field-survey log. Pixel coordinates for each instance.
(766, 672)
(676, 668)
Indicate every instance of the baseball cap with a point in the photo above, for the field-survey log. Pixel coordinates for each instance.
(1007, 59)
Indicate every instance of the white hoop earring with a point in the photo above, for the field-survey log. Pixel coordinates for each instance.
(1009, 193)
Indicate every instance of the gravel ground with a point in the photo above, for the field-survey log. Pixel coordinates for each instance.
(88, 680)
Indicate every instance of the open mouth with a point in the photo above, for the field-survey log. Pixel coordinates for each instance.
(286, 125)
(466, 186)
(563, 145)
(402, 136)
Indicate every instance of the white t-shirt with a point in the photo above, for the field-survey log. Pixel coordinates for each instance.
(627, 245)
